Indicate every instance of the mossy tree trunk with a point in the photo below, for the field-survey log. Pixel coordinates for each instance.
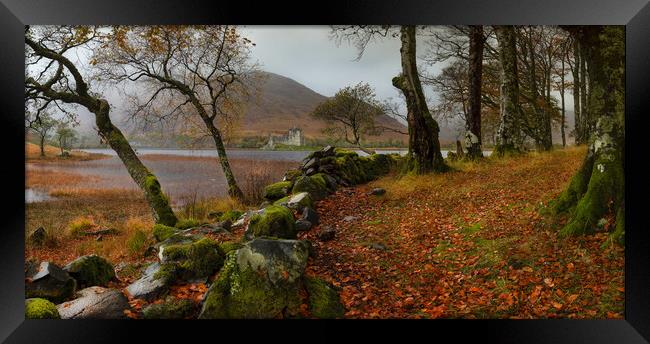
(509, 138)
(575, 71)
(424, 147)
(148, 182)
(597, 190)
(233, 189)
(584, 110)
(473, 120)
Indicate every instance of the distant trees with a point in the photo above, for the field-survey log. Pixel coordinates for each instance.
(52, 79)
(42, 125)
(351, 114)
(65, 135)
(189, 72)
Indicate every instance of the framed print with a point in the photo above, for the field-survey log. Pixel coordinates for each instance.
(459, 168)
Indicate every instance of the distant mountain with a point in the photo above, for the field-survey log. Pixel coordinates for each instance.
(283, 103)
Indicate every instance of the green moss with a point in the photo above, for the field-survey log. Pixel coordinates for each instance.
(187, 223)
(605, 186)
(37, 308)
(291, 175)
(568, 199)
(232, 215)
(159, 201)
(276, 221)
(242, 294)
(228, 246)
(316, 187)
(171, 308)
(324, 300)
(91, 270)
(194, 260)
(282, 200)
(277, 190)
(162, 232)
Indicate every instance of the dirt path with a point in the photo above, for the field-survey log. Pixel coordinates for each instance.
(467, 244)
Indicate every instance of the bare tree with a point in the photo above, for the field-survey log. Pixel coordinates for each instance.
(199, 73)
(52, 78)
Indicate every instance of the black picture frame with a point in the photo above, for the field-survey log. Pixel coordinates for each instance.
(634, 14)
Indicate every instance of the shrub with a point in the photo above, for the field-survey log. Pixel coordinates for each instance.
(137, 242)
(80, 224)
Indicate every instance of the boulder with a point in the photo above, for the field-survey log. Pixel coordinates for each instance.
(314, 185)
(310, 164)
(95, 303)
(188, 261)
(326, 234)
(309, 214)
(291, 175)
(90, 270)
(324, 299)
(274, 221)
(303, 225)
(50, 282)
(37, 237)
(300, 201)
(260, 280)
(162, 232)
(278, 190)
(328, 151)
(171, 308)
(377, 192)
(148, 287)
(37, 308)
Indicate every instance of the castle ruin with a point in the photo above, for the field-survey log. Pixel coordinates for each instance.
(293, 138)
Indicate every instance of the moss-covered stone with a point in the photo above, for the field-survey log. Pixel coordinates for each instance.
(50, 282)
(282, 201)
(228, 246)
(187, 223)
(315, 186)
(274, 221)
(324, 300)
(37, 308)
(197, 259)
(300, 200)
(277, 190)
(291, 175)
(91, 270)
(162, 232)
(260, 280)
(171, 308)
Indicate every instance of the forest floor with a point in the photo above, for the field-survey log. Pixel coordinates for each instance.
(470, 243)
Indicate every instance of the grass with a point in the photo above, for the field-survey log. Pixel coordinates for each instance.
(33, 154)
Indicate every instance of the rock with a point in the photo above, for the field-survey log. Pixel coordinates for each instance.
(226, 224)
(162, 232)
(332, 184)
(171, 308)
(148, 287)
(326, 234)
(300, 201)
(291, 175)
(275, 221)
(260, 280)
(315, 186)
(100, 231)
(40, 309)
(309, 214)
(278, 190)
(50, 282)
(303, 225)
(350, 218)
(377, 192)
(95, 303)
(37, 237)
(324, 299)
(91, 270)
(311, 171)
(378, 246)
(228, 246)
(149, 252)
(328, 151)
(197, 259)
(310, 164)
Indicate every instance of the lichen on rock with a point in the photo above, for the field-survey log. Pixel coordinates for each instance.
(37, 308)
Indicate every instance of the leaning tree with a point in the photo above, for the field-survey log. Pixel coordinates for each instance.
(596, 191)
(52, 79)
(424, 145)
(199, 72)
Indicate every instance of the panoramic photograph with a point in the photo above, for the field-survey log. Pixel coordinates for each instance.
(324, 172)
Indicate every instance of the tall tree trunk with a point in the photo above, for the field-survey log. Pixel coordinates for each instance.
(598, 188)
(148, 182)
(584, 111)
(424, 147)
(562, 99)
(509, 139)
(473, 120)
(576, 94)
(233, 189)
